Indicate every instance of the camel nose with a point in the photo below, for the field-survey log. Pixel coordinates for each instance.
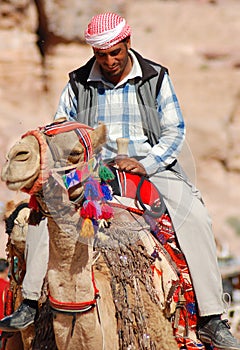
(4, 171)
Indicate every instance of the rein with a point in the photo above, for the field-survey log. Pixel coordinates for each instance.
(139, 188)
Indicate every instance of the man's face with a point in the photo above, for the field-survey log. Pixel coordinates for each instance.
(114, 62)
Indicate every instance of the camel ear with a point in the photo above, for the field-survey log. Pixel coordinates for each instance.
(98, 136)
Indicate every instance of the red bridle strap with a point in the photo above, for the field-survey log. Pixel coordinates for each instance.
(43, 173)
(72, 307)
(80, 129)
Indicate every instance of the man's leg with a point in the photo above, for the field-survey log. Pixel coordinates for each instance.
(36, 255)
(193, 230)
(194, 233)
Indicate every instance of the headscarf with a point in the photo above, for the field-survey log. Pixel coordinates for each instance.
(106, 30)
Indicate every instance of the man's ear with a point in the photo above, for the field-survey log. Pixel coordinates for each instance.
(128, 42)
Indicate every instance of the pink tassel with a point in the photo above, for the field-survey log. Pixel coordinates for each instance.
(90, 209)
(107, 212)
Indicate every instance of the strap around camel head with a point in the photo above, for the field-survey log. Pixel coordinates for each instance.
(60, 127)
(43, 173)
(55, 128)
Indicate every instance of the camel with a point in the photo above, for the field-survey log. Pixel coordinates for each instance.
(16, 222)
(16, 217)
(111, 285)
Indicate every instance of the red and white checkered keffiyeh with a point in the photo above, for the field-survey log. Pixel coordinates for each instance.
(106, 30)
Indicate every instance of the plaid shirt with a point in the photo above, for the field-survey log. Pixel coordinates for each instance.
(118, 109)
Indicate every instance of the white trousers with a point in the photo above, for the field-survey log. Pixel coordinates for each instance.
(193, 230)
(36, 256)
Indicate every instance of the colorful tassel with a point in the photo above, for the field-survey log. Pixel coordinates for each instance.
(87, 229)
(105, 173)
(90, 209)
(92, 189)
(94, 210)
(107, 212)
(106, 191)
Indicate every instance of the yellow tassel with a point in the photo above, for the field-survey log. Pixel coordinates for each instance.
(87, 228)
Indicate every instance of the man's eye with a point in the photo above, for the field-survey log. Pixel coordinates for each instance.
(114, 53)
(99, 54)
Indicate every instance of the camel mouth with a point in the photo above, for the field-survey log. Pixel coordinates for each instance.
(16, 185)
(19, 185)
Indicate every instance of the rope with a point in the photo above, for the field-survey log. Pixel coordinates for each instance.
(130, 209)
(226, 301)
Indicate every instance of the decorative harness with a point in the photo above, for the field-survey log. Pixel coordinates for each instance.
(44, 138)
(62, 127)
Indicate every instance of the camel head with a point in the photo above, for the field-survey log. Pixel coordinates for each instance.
(60, 145)
(16, 222)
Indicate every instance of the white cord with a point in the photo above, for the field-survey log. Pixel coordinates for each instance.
(226, 301)
(99, 318)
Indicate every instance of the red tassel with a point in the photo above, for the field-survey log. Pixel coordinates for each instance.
(89, 210)
(107, 212)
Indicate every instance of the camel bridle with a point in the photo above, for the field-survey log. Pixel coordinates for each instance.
(44, 136)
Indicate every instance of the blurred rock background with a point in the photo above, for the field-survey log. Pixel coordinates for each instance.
(198, 40)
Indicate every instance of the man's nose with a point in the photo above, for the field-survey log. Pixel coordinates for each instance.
(109, 60)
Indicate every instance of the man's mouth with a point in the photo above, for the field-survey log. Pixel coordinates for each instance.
(111, 69)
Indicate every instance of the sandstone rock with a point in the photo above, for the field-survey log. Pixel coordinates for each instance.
(233, 159)
(66, 21)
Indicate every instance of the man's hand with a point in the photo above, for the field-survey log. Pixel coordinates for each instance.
(131, 164)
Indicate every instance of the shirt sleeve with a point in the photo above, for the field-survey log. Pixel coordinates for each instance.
(172, 130)
(67, 106)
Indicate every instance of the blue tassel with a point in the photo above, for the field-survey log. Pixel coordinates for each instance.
(107, 194)
(91, 189)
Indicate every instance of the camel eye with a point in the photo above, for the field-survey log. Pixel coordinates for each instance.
(22, 156)
(74, 156)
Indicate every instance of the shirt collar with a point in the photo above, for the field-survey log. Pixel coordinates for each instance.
(136, 71)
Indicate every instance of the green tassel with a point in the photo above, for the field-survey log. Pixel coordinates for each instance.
(105, 173)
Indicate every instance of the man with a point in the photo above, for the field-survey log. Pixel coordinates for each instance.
(135, 98)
